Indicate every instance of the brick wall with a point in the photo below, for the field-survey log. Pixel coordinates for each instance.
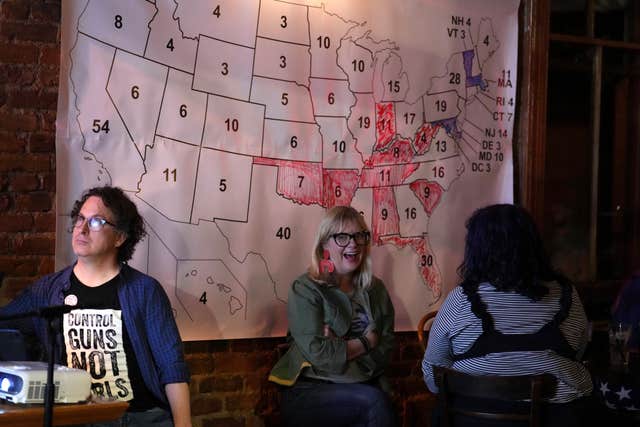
(29, 63)
(229, 386)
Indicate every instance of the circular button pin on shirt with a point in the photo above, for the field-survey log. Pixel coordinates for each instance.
(71, 300)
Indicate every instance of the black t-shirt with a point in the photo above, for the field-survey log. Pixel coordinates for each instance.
(95, 338)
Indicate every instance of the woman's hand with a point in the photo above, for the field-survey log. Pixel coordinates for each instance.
(328, 332)
(372, 337)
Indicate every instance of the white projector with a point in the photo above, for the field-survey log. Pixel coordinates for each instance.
(24, 382)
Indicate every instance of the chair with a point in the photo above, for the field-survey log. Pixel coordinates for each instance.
(424, 325)
(417, 408)
(513, 389)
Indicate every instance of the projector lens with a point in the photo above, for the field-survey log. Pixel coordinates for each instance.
(11, 384)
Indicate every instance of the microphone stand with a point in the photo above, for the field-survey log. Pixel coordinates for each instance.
(50, 315)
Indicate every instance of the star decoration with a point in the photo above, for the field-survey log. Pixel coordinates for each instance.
(604, 388)
(623, 393)
(610, 405)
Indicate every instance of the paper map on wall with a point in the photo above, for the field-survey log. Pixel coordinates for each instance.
(233, 125)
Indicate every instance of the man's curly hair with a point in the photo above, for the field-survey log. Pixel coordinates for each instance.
(126, 217)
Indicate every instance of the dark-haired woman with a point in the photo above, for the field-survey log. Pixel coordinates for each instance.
(513, 314)
(341, 333)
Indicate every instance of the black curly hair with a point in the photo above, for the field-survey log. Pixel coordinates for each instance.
(126, 216)
(503, 247)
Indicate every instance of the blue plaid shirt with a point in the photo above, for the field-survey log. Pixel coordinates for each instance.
(146, 313)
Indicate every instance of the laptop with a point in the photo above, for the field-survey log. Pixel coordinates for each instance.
(13, 346)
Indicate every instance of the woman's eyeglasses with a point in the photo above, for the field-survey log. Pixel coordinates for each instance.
(95, 223)
(342, 239)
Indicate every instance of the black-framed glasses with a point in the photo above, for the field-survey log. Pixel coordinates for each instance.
(342, 239)
(95, 223)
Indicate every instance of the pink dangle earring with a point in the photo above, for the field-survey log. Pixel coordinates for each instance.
(326, 265)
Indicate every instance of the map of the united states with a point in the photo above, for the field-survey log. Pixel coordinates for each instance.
(236, 123)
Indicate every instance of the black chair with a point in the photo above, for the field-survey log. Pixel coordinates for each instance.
(526, 394)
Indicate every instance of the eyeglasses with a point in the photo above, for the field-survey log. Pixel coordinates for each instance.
(95, 223)
(342, 239)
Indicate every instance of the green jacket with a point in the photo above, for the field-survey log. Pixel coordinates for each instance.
(311, 305)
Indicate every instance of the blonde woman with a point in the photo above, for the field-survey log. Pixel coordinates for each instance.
(341, 333)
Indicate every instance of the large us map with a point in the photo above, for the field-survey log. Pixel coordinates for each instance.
(234, 124)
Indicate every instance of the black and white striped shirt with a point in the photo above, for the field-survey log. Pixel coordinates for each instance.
(456, 328)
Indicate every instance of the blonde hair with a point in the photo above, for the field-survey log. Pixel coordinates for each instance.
(334, 222)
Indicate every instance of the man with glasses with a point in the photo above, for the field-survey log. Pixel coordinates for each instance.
(123, 331)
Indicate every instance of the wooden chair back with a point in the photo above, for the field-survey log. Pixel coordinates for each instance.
(535, 388)
(424, 325)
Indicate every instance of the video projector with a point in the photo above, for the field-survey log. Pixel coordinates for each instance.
(24, 382)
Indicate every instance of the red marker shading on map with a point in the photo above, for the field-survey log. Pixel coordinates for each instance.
(325, 264)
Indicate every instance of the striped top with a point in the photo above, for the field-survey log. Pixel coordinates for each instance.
(456, 328)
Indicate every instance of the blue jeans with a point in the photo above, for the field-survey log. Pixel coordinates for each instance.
(312, 404)
(154, 417)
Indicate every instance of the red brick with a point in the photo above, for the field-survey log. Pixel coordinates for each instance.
(259, 380)
(268, 344)
(45, 222)
(201, 405)
(49, 12)
(243, 346)
(47, 266)
(12, 286)
(17, 74)
(18, 121)
(49, 181)
(35, 201)
(24, 182)
(29, 31)
(225, 384)
(224, 422)
(48, 77)
(200, 363)
(5, 242)
(42, 142)
(241, 401)
(400, 369)
(15, 10)
(32, 99)
(410, 386)
(12, 266)
(10, 142)
(16, 222)
(193, 386)
(31, 163)
(193, 347)
(18, 54)
(200, 384)
(411, 352)
(34, 245)
(238, 363)
(48, 120)
(50, 55)
(6, 201)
